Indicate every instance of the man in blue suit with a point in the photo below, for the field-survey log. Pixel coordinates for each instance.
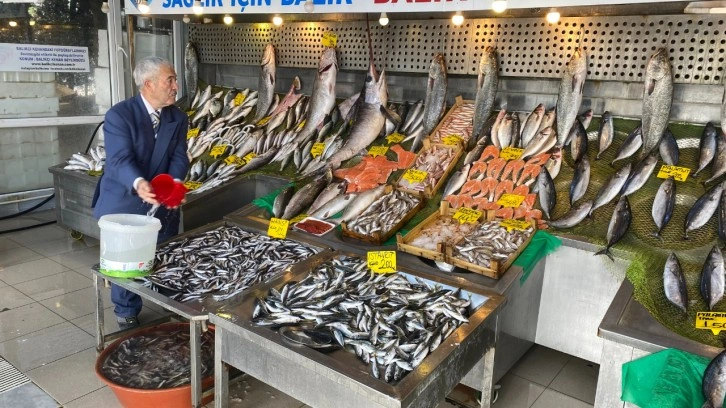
(144, 136)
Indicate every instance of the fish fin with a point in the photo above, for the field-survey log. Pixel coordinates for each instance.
(392, 115)
(657, 235)
(650, 86)
(607, 252)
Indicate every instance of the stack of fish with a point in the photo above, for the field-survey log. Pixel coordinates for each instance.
(221, 263)
(457, 122)
(391, 323)
(490, 242)
(435, 160)
(93, 161)
(384, 214)
(444, 230)
(158, 359)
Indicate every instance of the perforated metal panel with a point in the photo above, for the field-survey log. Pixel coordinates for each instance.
(617, 47)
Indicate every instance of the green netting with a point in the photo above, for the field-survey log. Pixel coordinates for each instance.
(541, 245)
(648, 254)
(267, 201)
(669, 378)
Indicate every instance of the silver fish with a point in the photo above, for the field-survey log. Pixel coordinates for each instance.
(674, 283)
(611, 188)
(486, 89)
(306, 195)
(554, 164)
(516, 124)
(191, 71)
(668, 148)
(531, 125)
(322, 99)
(580, 180)
(334, 206)
(384, 214)
(640, 174)
(618, 226)
(476, 152)
(266, 82)
(547, 193)
(278, 206)
(495, 128)
(457, 180)
(630, 145)
(363, 201)
(712, 278)
(579, 143)
(548, 120)
(505, 132)
(663, 204)
(718, 167)
(570, 94)
(707, 147)
(657, 99)
(435, 101)
(490, 242)
(703, 209)
(713, 386)
(331, 191)
(605, 134)
(574, 216)
(722, 217)
(540, 143)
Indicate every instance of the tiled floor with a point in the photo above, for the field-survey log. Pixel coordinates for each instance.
(47, 326)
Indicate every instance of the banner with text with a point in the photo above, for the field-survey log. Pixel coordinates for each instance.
(43, 58)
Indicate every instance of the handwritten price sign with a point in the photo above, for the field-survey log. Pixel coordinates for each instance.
(239, 99)
(278, 228)
(511, 153)
(515, 225)
(382, 261)
(248, 157)
(237, 161)
(378, 151)
(263, 121)
(415, 176)
(394, 138)
(714, 321)
(330, 39)
(510, 200)
(192, 185)
(95, 173)
(218, 151)
(678, 173)
(317, 150)
(192, 133)
(465, 215)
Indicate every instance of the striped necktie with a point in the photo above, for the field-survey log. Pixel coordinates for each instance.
(155, 120)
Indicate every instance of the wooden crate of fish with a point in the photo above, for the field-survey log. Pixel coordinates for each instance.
(491, 249)
(457, 122)
(430, 237)
(384, 217)
(437, 161)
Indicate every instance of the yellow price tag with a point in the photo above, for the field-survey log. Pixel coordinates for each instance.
(415, 176)
(263, 121)
(317, 149)
(301, 125)
(395, 138)
(330, 39)
(465, 215)
(239, 99)
(510, 200)
(95, 173)
(518, 225)
(278, 228)
(192, 133)
(298, 218)
(192, 185)
(248, 157)
(511, 153)
(382, 261)
(451, 140)
(237, 161)
(378, 151)
(714, 321)
(191, 113)
(218, 151)
(678, 173)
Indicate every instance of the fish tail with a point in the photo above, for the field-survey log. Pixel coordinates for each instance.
(707, 404)
(657, 235)
(607, 252)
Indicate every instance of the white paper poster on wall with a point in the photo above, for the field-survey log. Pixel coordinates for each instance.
(43, 58)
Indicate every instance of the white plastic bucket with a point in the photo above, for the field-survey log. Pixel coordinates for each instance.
(128, 244)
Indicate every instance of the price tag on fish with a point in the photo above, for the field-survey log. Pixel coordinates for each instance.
(714, 321)
(415, 176)
(382, 261)
(278, 228)
(237, 161)
(95, 173)
(301, 125)
(378, 151)
(451, 140)
(298, 218)
(192, 133)
(263, 121)
(248, 157)
(192, 185)
(465, 215)
(678, 173)
(317, 150)
(239, 99)
(218, 151)
(191, 113)
(510, 200)
(511, 153)
(330, 39)
(394, 138)
(518, 225)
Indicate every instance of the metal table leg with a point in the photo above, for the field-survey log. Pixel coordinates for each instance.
(488, 378)
(196, 353)
(221, 373)
(99, 314)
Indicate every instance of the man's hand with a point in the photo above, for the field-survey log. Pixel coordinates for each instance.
(146, 192)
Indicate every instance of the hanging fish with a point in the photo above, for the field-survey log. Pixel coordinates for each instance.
(657, 99)
(619, 224)
(570, 94)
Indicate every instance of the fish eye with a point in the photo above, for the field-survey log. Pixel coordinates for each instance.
(369, 78)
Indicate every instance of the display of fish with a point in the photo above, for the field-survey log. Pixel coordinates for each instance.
(332, 190)
(713, 386)
(657, 99)
(570, 94)
(618, 226)
(531, 125)
(668, 148)
(540, 143)
(435, 101)
(585, 119)
(322, 98)
(444, 230)
(334, 206)
(554, 163)
(486, 89)
(385, 213)
(266, 82)
(611, 188)
(158, 359)
(306, 195)
(674, 283)
(434, 161)
(547, 193)
(703, 209)
(718, 166)
(93, 161)
(579, 143)
(362, 202)
(191, 71)
(712, 278)
(606, 134)
(574, 216)
(281, 200)
(707, 147)
(391, 321)
(458, 122)
(630, 145)
(221, 263)
(640, 173)
(663, 205)
(580, 180)
(490, 242)
(456, 180)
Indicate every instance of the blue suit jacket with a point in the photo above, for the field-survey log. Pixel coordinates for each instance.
(132, 151)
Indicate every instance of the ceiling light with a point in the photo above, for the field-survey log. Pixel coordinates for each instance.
(499, 6)
(309, 6)
(228, 19)
(104, 7)
(186, 19)
(197, 7)
(706, 7)
(553, 17)
(277, 21)
(207, 20)
(12, 23)
(143, 7)
(457, 19)
(384, 19)
(31, 22)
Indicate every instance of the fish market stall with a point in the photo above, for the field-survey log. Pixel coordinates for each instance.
(197, 272)
(247, 337)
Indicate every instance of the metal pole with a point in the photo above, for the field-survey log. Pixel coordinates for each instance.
(99, 314)
(221, 372)
(196, 381)
(177, 40)
(132, 48)
(114, 45)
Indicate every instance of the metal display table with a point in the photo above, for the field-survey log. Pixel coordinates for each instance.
(328, 380)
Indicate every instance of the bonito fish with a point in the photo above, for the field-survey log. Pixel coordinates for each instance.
(657, 99)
